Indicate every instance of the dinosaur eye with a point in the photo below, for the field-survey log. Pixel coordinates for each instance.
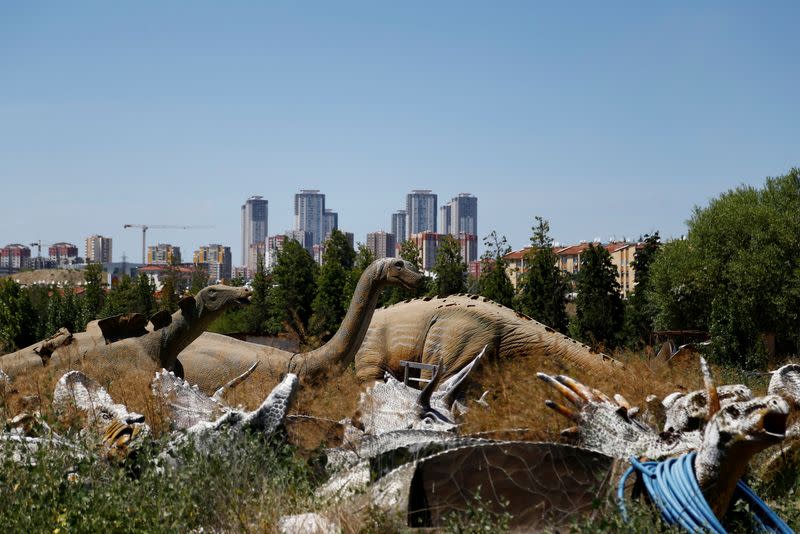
(398, 264)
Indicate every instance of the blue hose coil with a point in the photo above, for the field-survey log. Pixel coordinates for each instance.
(673, 488)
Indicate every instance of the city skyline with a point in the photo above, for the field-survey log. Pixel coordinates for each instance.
(620, 130)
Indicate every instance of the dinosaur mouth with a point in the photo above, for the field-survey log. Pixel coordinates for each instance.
(774, 424)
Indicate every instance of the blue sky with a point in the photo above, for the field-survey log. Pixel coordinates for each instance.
(608, 119)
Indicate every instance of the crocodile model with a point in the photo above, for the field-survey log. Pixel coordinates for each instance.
(129, 339)
(456, 327)
(214, 359)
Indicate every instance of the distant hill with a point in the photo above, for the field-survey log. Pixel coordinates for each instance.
(49, 277)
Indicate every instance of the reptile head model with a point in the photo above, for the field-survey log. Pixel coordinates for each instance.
(395, 271)
(786, 383)
(218, 298)
(689, 411)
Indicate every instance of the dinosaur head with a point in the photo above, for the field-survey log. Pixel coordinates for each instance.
(395, 271)
(215, 299)
(690, 411)
(785, 382)
(731, 438)
(391, 405)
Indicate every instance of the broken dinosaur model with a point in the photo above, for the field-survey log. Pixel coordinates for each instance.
(129, 340)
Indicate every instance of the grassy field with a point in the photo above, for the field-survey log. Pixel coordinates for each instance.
(250, 486)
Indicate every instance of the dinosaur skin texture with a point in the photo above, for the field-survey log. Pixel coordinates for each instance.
(213, 359)
(457, 327)
(733, 434)
(128, 340)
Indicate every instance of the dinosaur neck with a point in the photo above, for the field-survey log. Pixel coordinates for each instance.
(718, 469)
(180, 333)
(342, 347)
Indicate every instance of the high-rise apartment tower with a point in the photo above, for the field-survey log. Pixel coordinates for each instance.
(309, 214)
(255, 211)
(420, 212)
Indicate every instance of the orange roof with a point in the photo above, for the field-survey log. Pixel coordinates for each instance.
(517, 254)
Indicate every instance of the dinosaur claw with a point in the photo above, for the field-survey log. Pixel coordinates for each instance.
(563, 410)
(583, 391)
(568, 393)
(622, 401)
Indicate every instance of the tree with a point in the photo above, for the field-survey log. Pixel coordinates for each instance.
(363, 259)
(639, 313)
(330, 302)
(451, 276)
(18, 320)
(494, 282)
(169, 287)
(143, 295)
(93, 296)
(737, 274)
(258, 312)
(293, 289)
(199, 279)
(598, 304)
(543, 287)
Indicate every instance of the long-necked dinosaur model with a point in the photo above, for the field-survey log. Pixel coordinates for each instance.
(455, 328)
(129, 339)
(214, 359)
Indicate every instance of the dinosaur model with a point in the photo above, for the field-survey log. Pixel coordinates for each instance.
(214, 359)
(731, 437)
(129, 340)
(455, 327)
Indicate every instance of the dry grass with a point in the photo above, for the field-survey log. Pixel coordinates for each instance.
(516, 397)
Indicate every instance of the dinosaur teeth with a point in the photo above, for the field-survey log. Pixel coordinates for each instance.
(774, 424)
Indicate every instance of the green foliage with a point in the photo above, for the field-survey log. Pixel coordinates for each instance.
(494, 282)
(129, 297)
(199, 280)
(169, 290)
(330, 303)
(294, 287)
(543, 287)
(64, 310)
(245, 486)
(93, 296)
(451, 275)
(257, 314)
(599, 310)
(738, 272)
(639, 312)
(18, 320)
(478, 518)
(364, 257)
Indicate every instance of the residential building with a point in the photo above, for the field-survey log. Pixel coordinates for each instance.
(309, 211)
(163, 254)
(305, 238)
(98, 249)
(63, 253)
(399, 227)
(381, 244)
(428, 245)
(420, 212)
(475, 268)
(14, 257)
(254, 252)
(516, 264)
(445, 214)
(274, 245)
(156, 273)
(469, 246)
(463, 214)
(216, 260)
(331, 223)
(622, 255)
(255, 215)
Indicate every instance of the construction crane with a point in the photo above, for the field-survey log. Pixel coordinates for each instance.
(144, 228)
(38, 264)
